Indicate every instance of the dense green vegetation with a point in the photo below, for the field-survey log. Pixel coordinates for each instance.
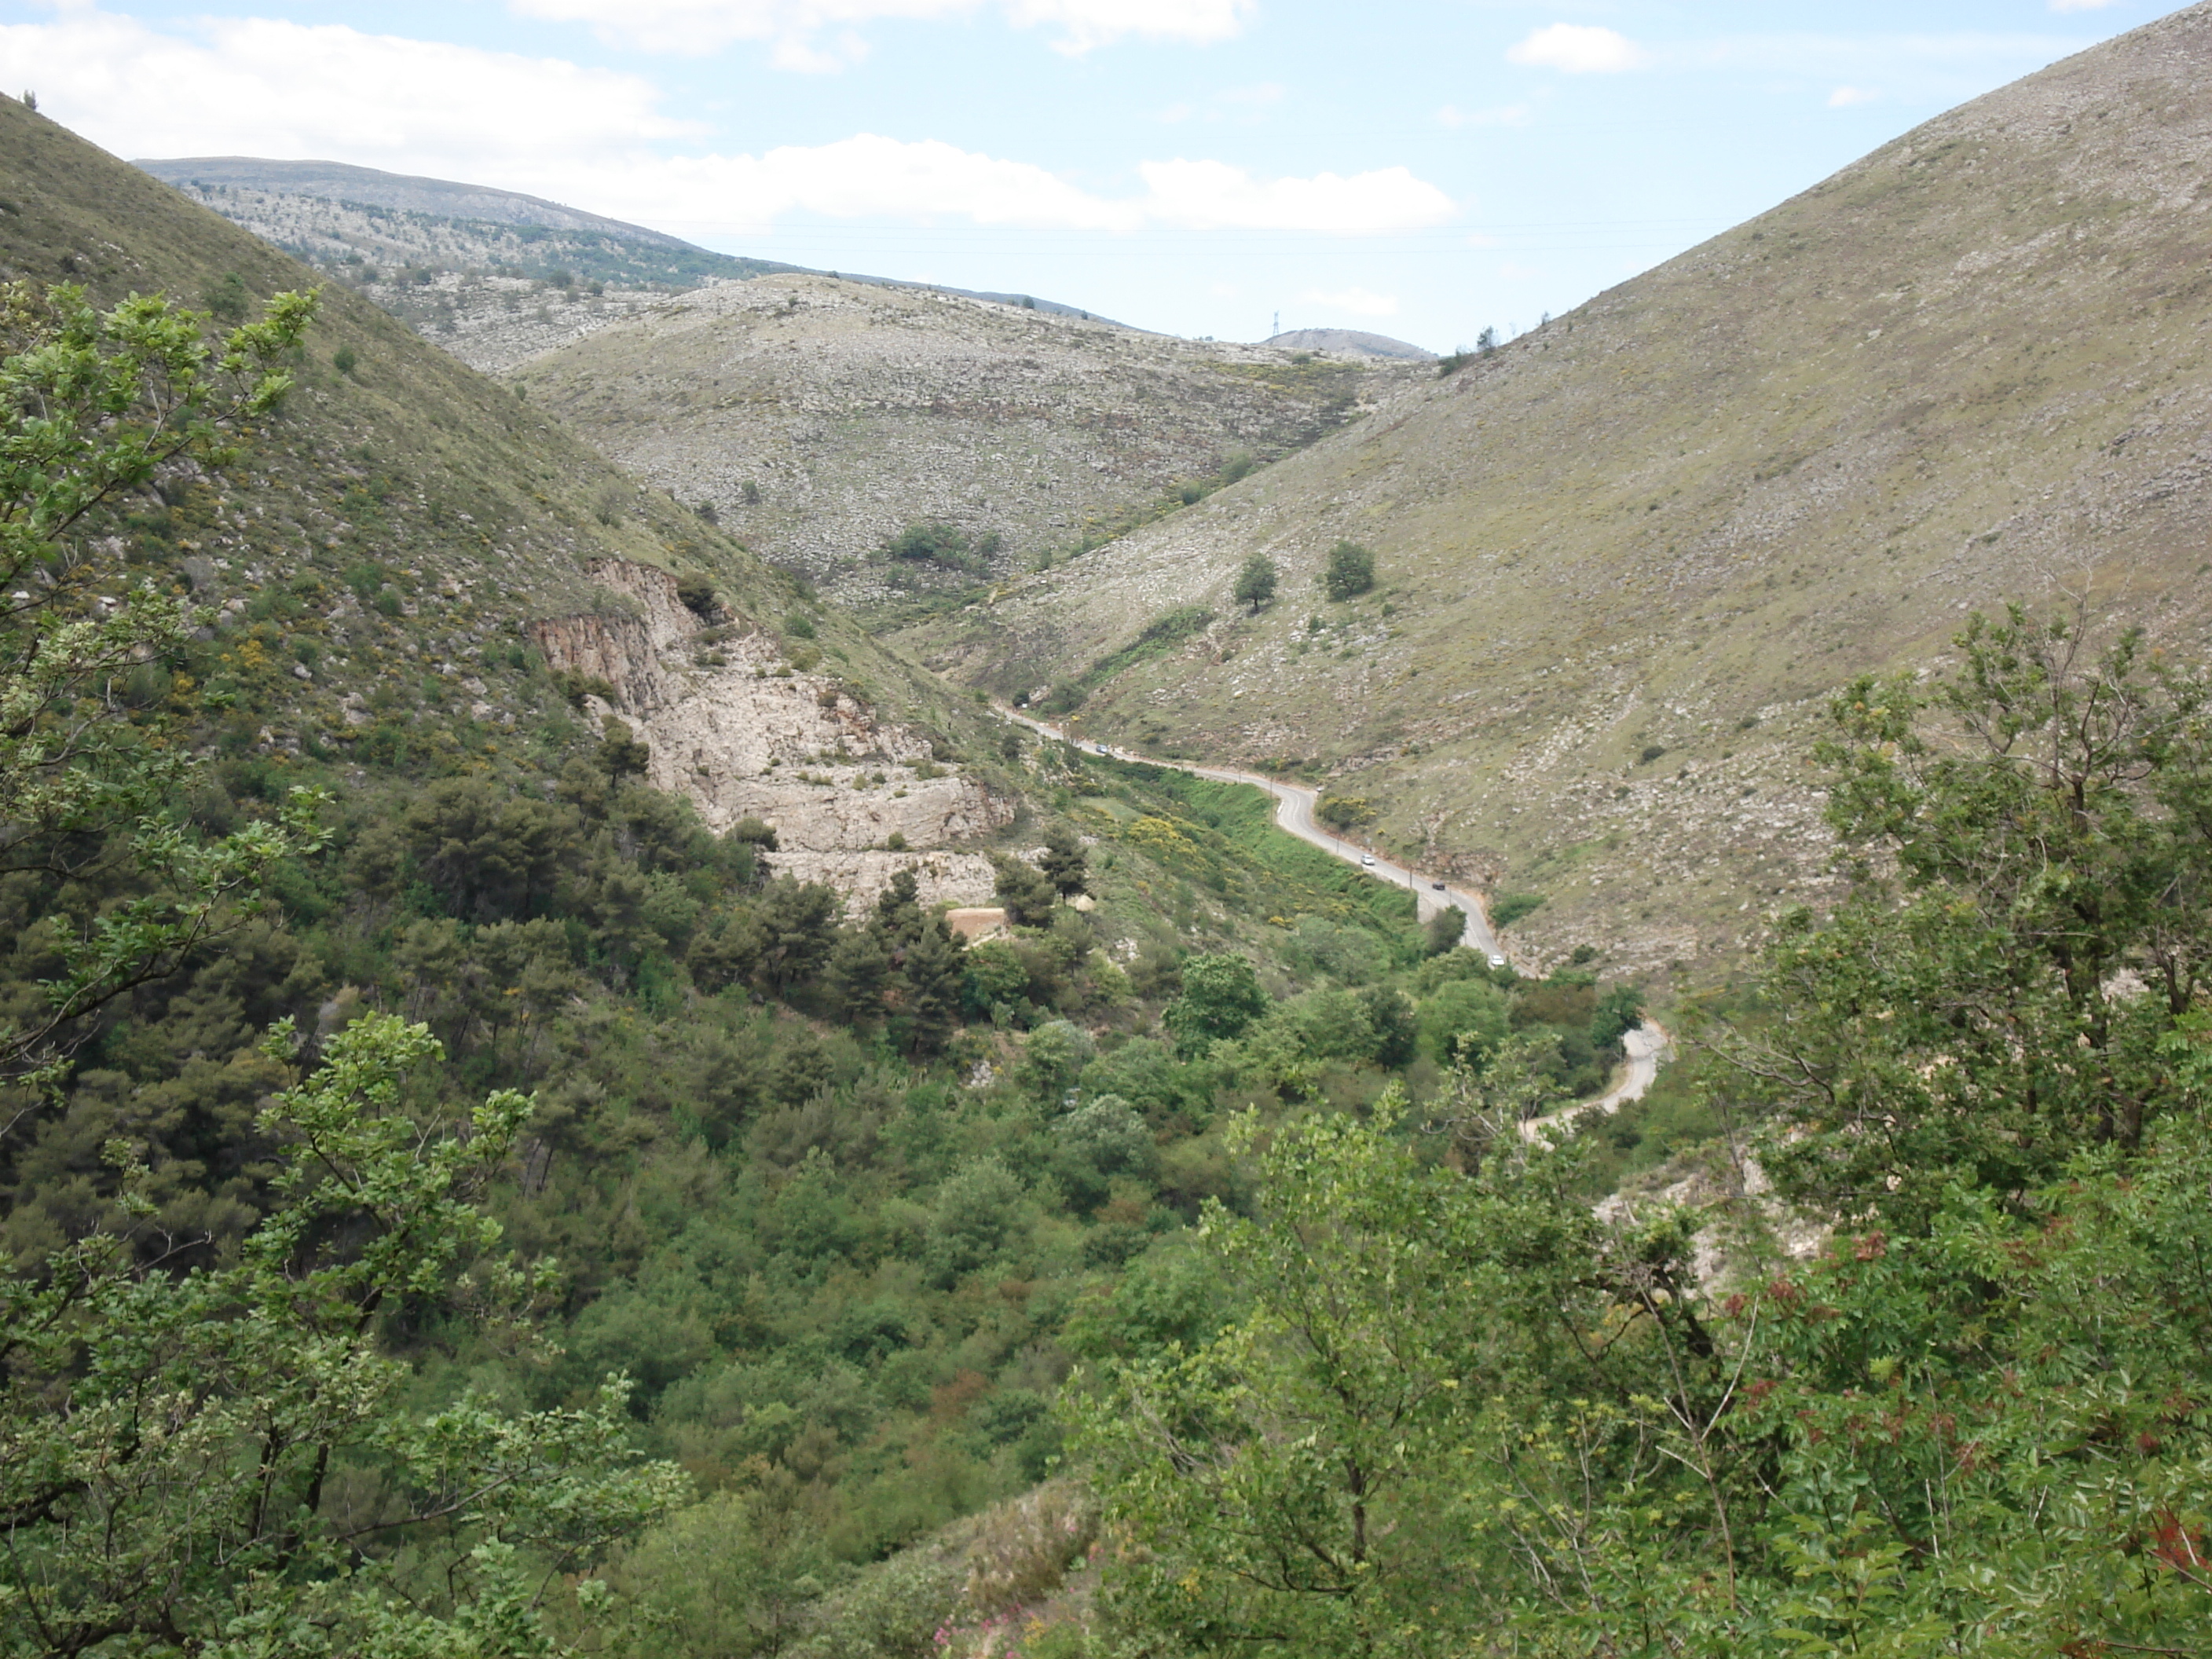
(360, 1135)
(1459, 1410)
(456, 1205)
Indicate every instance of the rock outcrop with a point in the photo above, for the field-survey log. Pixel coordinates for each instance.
(733, 725)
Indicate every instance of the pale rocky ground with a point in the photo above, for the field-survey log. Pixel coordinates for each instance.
(475, 288)
(855, 411)
(734, 727)
(497, 324)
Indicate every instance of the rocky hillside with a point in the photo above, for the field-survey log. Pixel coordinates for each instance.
(821, 417)
(1624, 560)
(493, 276)
(416, 569)
(1357, 341)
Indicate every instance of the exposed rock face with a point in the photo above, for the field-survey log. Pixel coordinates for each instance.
(732, 726)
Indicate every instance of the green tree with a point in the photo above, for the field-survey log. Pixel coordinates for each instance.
(93, 404)
(1349, 572)
(996, 976)
(799, 924)
(1444, 931)
(1397, 1031)
(857, 975)
(1290, 1483)
(1221, 996)
(898, 915)
(1053, 1060)
(1463, 1017)
(1255, 582)
(1063, 863)
(171, 1443)
(621, 755)
(932, 978)
(2030, 842)
(1026, 893)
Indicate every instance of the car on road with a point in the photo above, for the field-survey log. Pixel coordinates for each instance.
(1439, 885)
(1367, 862)
(1496, 960)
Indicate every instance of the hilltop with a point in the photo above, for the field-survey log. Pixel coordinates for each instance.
(442, 199)
(493, 276)
(821, 417)
(1356, 341)
(1625, 560)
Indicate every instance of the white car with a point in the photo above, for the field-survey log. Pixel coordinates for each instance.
(1367, 862)
(1496, 960)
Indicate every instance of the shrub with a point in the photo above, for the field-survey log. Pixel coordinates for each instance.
(696, 594)
(1344, 813)
(933, 544)
(343, 360)
(1510, 908)
(227, 299)
(1349, 571)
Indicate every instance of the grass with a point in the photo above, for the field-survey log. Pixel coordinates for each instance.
(451, 512)
(1223, 836)
(1629, 554)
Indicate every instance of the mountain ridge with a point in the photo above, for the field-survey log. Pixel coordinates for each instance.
(405, 563)
(1625, 558)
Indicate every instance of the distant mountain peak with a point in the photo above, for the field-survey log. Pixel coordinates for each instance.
(338, 181)
(1352, 340)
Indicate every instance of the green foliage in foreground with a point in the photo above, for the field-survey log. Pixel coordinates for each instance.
(169, 1442)
(1462, 1412)
(92, 404)
(1464, 1416)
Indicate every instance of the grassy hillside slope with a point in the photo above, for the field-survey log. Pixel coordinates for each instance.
(853, 412)
(403, 544)
(1623, 560)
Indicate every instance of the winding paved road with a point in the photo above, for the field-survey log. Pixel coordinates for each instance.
(1646, 1046)
(1294, 811)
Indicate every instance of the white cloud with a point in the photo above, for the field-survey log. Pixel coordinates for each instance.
(1579, 49)
(1357, 300)
(596, 139)
(795, 27)
(2081, 5)
(1849, 97)
(254, 85)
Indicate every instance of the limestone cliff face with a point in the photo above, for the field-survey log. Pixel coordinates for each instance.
(735, 727)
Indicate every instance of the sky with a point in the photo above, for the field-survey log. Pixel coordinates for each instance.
(1420, 168)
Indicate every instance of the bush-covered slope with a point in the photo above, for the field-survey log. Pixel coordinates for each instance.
(1622, 558)
(414, 568)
